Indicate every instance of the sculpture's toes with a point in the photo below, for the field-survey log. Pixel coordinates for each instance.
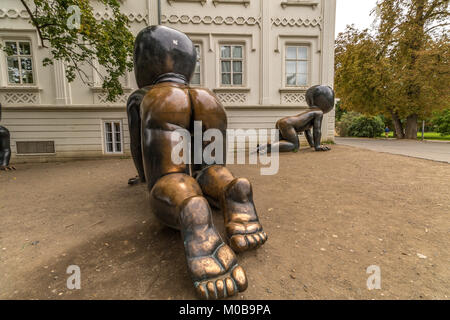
(228, 285)
(241, 243)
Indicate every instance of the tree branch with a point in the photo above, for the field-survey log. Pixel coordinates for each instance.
(33, 19)
(437, 26)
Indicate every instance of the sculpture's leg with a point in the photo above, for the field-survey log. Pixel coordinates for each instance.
(134, 126)
(177, 200)
(289, 141)
(235, 196)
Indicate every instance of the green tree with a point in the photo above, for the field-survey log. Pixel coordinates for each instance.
(401, 69)
(109, 41)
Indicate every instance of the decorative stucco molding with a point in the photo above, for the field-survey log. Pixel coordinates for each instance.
(98, 15)
(20, 98)
(293, 98)
(101, 98)
(132, 16)
(218, 20)
(232, 96)
(294, 95)
(14, 13)
(297, 22)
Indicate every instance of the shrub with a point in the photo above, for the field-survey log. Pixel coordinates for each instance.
(363, 126)
(345, 122)
(441, 122)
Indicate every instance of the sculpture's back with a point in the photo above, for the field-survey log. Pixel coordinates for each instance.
(165, 60)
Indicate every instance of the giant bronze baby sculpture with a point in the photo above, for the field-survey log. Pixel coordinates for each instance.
(180, 194)
(5, 147)
(320, 100)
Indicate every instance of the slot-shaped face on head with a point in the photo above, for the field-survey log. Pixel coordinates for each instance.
(159, 50)
(321, 97)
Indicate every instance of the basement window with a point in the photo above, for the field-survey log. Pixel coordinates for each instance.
(112, 131)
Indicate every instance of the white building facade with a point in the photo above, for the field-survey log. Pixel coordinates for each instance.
(258, 56)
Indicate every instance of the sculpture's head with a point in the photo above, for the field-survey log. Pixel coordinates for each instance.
(321, 97)
(159, 50)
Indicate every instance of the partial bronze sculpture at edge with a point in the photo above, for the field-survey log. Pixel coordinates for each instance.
(181, 195)
(5, 147)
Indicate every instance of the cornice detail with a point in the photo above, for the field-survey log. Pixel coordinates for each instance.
(98, 15)
(218, 20)
(14, 13)
(297, 22)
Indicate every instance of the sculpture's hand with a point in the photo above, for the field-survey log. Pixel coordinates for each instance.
(323, 148)
(135, 180)
(7, 168)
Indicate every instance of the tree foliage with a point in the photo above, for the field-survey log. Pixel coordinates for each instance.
(441, 122)
(401, 69)
(105, 45)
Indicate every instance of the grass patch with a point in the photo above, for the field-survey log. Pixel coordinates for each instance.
(427, 135)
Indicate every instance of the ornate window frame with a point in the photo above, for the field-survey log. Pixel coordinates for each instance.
(245, 65)
(201, 63)
(286, 59)
(18, 36)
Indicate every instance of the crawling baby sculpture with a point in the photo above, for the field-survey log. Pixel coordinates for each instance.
(320, 99)
(180, 193)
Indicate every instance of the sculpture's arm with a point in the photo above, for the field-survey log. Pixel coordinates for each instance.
(309, 138)
(317, 129)
(134, 125)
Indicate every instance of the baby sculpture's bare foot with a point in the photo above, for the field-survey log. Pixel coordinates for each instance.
(212, 264)
(242, 225)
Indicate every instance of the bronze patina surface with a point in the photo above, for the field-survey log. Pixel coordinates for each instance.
(5, 147)
(181, 194)
(320, 100)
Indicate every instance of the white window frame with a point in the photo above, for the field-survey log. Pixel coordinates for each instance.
(308, 65)
(20, 56)
(114, 141)
(200, 63)
(231, 59)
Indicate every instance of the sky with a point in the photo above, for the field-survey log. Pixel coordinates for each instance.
(354, 11)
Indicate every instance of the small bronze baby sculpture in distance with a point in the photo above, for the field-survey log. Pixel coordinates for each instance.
(320, 99)
(181, 194)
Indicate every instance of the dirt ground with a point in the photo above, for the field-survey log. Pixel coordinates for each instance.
(329, 216)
